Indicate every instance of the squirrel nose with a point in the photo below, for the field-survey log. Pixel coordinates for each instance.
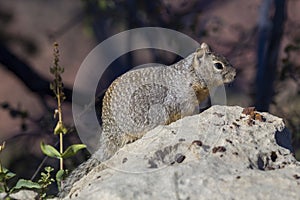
(233, 73)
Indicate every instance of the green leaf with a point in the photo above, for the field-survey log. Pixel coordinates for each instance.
(72, 150)
(60, 175)
(10, 175)
(5, 175)
(2, 189)
(49, 169)
(26, 184)
(50, 151)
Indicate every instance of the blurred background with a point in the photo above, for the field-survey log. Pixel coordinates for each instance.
(261, 38)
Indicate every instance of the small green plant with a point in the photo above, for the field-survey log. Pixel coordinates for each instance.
(6, 175)
(45, 181)
(42, 185)
(57, 87)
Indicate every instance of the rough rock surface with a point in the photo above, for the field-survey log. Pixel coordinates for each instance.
(218, 154)
(20, 195)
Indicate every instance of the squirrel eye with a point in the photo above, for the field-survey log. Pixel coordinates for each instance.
(219, 66)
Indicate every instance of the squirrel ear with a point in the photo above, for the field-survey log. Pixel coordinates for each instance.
(204, 48)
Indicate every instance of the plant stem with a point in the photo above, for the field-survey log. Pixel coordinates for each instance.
(1, 168)
(61, 150)
(4, 180)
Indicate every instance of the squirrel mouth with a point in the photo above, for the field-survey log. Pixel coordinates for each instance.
(229, 76)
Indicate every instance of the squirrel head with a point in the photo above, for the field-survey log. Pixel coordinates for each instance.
(212, 68)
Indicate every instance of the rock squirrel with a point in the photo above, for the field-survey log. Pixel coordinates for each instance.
(142, 99)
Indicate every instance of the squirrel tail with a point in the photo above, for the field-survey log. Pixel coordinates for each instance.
(84, 168)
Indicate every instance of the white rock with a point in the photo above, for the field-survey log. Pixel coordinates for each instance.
(213, 155)
(24, 195)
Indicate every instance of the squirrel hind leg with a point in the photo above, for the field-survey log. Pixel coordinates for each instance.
(131, 137)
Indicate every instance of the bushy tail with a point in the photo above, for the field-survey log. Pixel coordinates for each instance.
(83, 169)
(102, 154)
